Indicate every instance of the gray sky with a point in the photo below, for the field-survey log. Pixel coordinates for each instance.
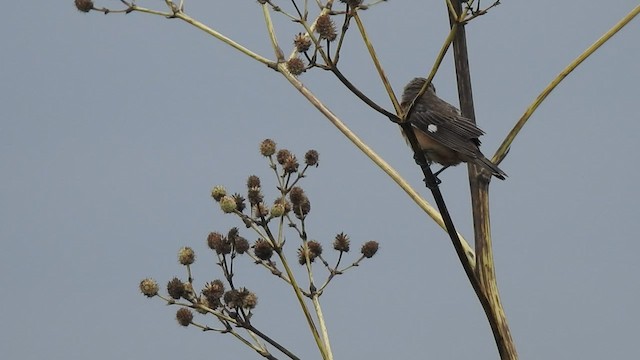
(113, 129)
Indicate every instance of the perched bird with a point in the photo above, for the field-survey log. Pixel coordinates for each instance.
(445, 136)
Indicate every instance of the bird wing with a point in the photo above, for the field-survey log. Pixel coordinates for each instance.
(453, 131)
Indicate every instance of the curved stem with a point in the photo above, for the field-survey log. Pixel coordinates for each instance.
(502, 151)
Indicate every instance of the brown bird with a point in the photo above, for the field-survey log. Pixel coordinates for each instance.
(445, 136)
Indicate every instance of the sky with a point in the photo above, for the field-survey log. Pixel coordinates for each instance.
(114, 129)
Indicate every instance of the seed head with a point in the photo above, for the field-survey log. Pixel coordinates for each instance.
(218, 192)
(84, 5)
(341, 242)
(369, 249)
(326, 28)
(149, 287)
(311, 158)
(176, 288)
(302, 42)
(184, 316)
(296, 66)
(228, 204)
(186, 256)
(253, 181)
(267, 147)
(262, 249)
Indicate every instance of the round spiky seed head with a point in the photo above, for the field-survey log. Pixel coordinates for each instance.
(228, 204)
(341, 242)
(233, 233)
(284, 202)
(186, 256)
(291, 165)
(302, 209)
(262, 249)
(255, 195)
(176, 288)
(303, 253)
(231, 298)
(296, 195)
(315, 248)
(277, 210)
(213, 291)
(241, 244)
(253, 182)
(84, 5)
(239, 199)
(149, 287)
(282, 156)
(326, 28)
(247, 299)
(214, 241)
(369, 249)
(218, 192)
(267, 147)
(296, 66)
(261, 210)
(184, 316)
(302, 42)
(311, 158)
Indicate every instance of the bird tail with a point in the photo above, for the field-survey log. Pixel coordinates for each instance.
(493, 168)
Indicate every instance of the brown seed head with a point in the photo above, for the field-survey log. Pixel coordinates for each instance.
(214, 241)
(262, 249)
(255, 195)
(241, 245)
(326, 28)
(302, 42)
(213, 291)
(369, 249)
(284, 202)
(184, 316)
(302, 209)
(341, 242)
(176, 288)
(84, 5)
(296, 66)
(291, 164)
(282, 156)
(253, 181)
(311, 158)
(239, 199)
(303, 253)
(186, 256)
(149, 287)
(315, 248)
(260, 210)
(296, 195)
(267, 147)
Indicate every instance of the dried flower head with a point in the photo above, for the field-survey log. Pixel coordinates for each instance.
(277, 210)
(184, 316)
(315, 248)
(267, 147)
(341, 242)
(260, 210)
(149, 287)
(296, 66)
(213, 291)
(186, 256)
(262, 249)
(369, 249)
(282, 156)
(296, 195)
(302, 42)
(241, 245)
(291, 164)
(253, 182)
(84, 5)
(214, 241)
(228, 204)
(239, 199)
(176, 288)
(326, 28)
(302, 209)
(255, 195)
(303, 254)
(311, 158)
(284, 202)
(218, 192)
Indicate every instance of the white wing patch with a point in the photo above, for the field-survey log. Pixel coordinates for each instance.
(432, 128)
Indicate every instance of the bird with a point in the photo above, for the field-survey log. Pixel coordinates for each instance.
(445, 136)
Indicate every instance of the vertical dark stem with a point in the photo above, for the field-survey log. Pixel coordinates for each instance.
(479, 184)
